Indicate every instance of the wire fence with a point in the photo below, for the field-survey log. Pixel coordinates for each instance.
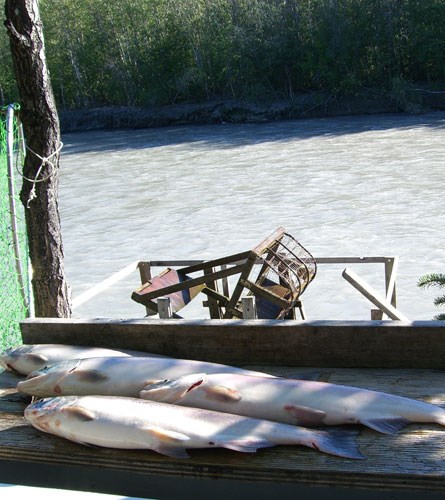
(14, 275)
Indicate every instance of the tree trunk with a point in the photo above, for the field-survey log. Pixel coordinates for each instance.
(42, 133)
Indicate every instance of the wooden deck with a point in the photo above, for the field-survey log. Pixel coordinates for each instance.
(410, 464)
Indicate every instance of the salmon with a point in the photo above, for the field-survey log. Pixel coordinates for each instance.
(26, 358)
(119, 376)
(171, 430)
(297, 402)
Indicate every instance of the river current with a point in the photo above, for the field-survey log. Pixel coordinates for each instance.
(349, 186)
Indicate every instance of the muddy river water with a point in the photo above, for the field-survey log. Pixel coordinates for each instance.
(348, 186)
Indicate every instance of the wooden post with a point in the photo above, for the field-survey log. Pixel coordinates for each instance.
(145, 274)
(164, 307)
(211, 302)
(391, 265)
(249, 307)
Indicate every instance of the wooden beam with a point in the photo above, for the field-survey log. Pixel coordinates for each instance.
(103, 285)
(143, 297)
(365, 289)
(373, 344)
(207, 264)
(391, 265)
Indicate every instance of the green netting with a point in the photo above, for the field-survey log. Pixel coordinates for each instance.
(14, 285)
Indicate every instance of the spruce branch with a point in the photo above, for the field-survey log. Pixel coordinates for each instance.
(432, 279)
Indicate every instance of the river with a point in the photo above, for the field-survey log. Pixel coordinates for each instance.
(348, 186)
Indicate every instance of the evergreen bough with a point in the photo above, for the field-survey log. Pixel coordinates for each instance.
(434, 279)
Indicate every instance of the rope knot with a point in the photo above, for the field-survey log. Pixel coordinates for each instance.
(45, 160)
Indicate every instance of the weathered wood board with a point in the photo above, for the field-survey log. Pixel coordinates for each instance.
(404, 358)
(410, 464)
(347, 344)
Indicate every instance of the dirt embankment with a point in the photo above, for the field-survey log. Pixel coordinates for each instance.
(310, 105)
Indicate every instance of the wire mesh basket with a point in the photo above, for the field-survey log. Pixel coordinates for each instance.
(286, 271)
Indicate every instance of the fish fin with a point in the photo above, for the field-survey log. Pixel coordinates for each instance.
(148, 383)
(168, 442)
(91, 376)
(246, 445)
(339, 442)
(440, 419)
(304, 415)
(78, 413)
(37, 359)
(386, 425)
(166, 435)
(171, 451)
(221, 393)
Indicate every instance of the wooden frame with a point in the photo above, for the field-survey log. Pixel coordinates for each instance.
(145, 271)
(286, 270)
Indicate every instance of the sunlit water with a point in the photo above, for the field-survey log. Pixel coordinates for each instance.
(360, 186)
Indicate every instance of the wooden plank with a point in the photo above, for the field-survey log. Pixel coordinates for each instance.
(165, 281)
(373, 344)
(351, 260)
(103, 285)
(320, 260)
(399, 464)
(207, 264)
(145, 294)
(365, 289)
(266, 243)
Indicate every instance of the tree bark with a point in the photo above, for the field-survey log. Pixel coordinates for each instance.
(42, 133)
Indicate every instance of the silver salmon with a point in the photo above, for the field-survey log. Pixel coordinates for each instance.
(26, 358)
(298, 402)
(114, 376)
(130, 423)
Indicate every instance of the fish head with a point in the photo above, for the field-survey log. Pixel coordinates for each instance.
(21, 359)
(42, 412)
(47, 381)
(171, 391)
(62, 415)
(7, 358)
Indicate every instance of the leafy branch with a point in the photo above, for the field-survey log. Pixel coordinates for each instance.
(436, 280)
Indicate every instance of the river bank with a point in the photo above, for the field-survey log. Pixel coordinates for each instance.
(308, 105)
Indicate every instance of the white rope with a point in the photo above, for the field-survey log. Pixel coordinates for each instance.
(45, 161)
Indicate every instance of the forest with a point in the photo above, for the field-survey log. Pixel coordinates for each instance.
(157, 52)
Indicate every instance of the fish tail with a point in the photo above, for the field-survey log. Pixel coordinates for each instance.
(339, 442)
(440, 418)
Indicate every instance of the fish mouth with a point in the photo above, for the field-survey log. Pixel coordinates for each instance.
(7, 360)
(39, 412)
(33, 374)
(31, 382)
(170, 391)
